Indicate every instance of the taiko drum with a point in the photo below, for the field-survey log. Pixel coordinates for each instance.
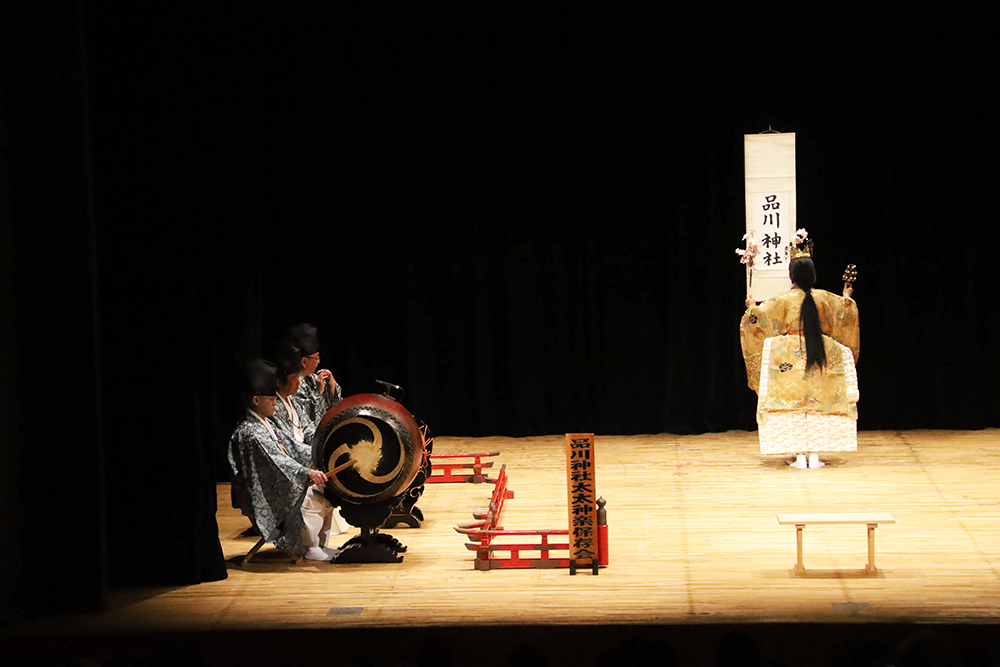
(381, 436)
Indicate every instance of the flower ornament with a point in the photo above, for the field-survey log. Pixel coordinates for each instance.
(748, 254)
(801, 245)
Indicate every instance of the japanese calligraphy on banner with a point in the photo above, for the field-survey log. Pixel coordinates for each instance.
(773, 237)
(582, 485)
(770, 206)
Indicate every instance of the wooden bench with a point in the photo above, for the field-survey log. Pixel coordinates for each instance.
(870, 519)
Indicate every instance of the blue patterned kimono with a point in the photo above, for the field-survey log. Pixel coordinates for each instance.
(313, 401)
(299, 447)
(268, 483)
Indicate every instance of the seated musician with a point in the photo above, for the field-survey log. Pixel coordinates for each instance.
(280, 495)
(292, 419)
(291, 413)
(318, 390)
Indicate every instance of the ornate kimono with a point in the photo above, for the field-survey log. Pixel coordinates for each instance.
(297, 428)
(799, 410)
(268, 483)
(838, 317)
(312, 401)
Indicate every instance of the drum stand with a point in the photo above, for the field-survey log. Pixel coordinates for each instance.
(407, 512)
(370, 546)
(410, 519)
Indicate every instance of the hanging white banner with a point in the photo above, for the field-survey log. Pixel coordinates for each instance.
(769, 161)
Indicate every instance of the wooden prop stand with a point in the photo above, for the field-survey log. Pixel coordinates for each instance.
(581, 484)
(869, 519)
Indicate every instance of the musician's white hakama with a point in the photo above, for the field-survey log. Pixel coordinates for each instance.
(291, 418)
(272, 489)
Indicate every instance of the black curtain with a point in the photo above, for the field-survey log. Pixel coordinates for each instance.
(52, 530)
(529, 222)
(526, 220)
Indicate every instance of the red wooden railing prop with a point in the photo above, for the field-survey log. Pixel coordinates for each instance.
(476, 465)
(487, 550)
(488, 527)
(490, 519)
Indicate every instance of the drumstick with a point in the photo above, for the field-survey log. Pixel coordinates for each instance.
(343, 466)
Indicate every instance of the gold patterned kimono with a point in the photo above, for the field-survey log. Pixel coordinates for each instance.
(800, 410)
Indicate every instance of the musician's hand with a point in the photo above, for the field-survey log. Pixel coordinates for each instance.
(317, 477)
(325, 376)
(749, 301)
(848, 289)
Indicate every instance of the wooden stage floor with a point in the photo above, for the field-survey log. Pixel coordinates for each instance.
(693, 540)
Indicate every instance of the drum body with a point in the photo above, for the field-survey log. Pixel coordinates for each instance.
(384, 440)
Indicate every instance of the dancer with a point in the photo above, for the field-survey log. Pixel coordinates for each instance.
(800, 350)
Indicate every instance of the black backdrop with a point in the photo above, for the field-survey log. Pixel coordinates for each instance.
(526, 220)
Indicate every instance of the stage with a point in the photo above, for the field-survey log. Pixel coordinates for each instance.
(694, 541)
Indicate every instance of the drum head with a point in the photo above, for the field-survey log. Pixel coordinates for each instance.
(381, 445)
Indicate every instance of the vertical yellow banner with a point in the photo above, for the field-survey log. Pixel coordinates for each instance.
(581, 483)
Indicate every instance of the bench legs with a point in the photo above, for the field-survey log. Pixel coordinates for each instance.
(799, 567)
(869, 568)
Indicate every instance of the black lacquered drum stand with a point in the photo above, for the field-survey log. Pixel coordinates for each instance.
(371, 546)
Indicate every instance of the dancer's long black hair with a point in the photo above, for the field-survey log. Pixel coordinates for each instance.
(803, 273)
